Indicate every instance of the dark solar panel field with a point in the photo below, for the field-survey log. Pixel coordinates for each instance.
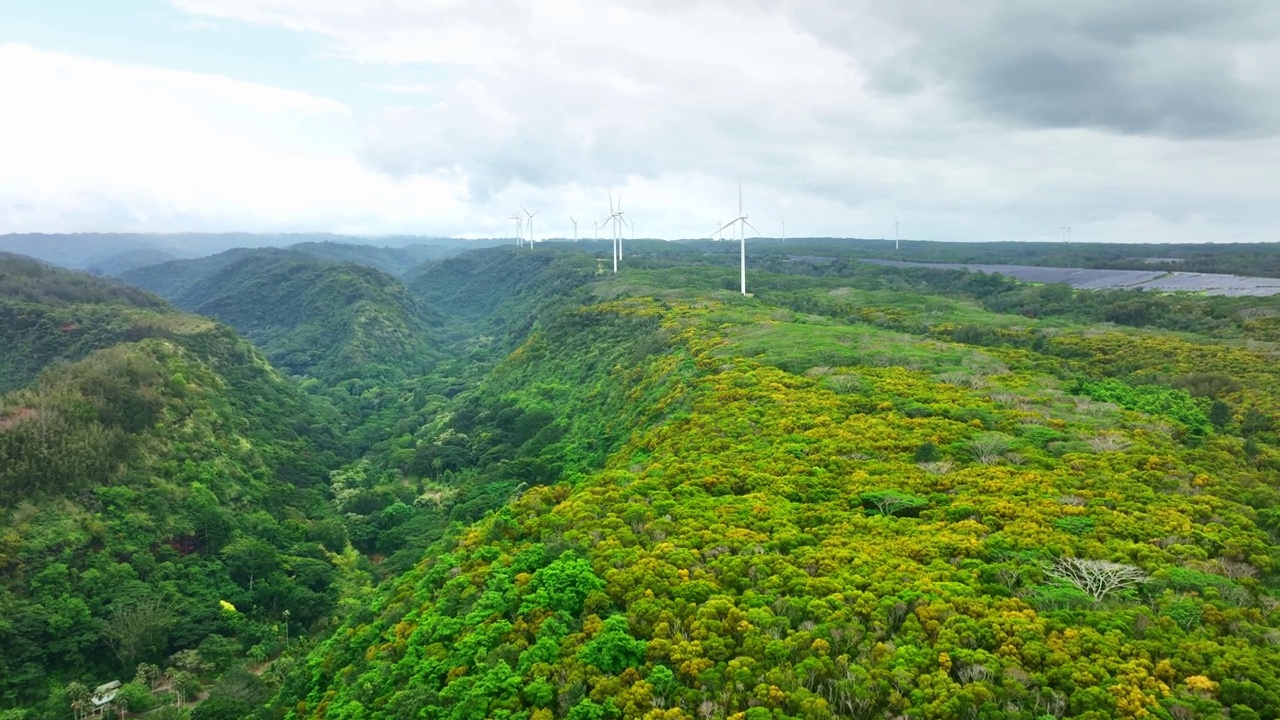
(1091, 279)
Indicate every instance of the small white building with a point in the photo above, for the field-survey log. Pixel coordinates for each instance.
(102, 697)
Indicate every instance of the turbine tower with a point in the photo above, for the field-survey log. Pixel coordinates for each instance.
(784, 229)
(519, 236)
(621, 226)
(615, 219)
(895, 233)
(526, 212)
(741, 220)
(574, 220)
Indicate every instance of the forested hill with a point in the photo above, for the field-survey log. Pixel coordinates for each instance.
(333, 321)
(48, 314)
(156, 467)
(173, 276)
(853, 511)
(863, 492)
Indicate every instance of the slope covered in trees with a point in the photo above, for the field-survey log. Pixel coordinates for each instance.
(863, 492)
(49, 314)
(172, 277)
(335, 322)
(855, 510)
(161, 469)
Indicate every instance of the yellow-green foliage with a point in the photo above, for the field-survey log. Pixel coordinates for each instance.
(735, 545)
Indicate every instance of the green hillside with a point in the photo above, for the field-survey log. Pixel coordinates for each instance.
(172, 277)
(519, 487)
(48, 314)
(335, 322)
(890, 503)
(391, 260)
(160, 468)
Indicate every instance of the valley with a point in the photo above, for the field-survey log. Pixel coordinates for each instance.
(508, 484)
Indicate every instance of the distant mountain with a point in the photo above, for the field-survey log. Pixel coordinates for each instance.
(391, 260)
(84, 251)
(113, 264)
(171, 276)
(333, 321)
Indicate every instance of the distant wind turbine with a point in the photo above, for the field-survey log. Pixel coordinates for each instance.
(519, 236)
(784, 229)
(633, 228)
(895, 233)
(741, 220)
(614, 220)
(526, 212)
(1066, 233)
(574, 220)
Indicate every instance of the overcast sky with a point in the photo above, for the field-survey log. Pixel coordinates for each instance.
(1130, 120)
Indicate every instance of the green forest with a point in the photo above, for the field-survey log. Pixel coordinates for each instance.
(509, 484)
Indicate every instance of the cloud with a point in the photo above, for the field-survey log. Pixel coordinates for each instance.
(991, 119)
(1176, 68)
(91, 145)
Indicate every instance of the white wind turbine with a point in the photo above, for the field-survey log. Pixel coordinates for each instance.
(615, 220)
(574, 220)
(741, 220)
(526, 212)
(519, 235)
(784, 229)
(895, 233)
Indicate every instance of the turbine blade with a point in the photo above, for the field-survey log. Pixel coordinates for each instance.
(753, 227)
(722, 227)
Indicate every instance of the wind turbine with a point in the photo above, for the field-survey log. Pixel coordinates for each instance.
(1066, 233)
(519, 236)
(526, 212)
(621, 224)
(575, 227)
(615, 220)
(895, 233)
(784, 229)
(633, 228)
(742, 235)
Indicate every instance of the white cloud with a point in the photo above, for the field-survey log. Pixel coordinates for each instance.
(90, 145)
(840, 114)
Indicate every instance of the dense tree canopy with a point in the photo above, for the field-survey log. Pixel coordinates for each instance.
(517, 487)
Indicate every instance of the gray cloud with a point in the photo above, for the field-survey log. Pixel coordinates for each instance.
(1176, 68)
(976, 119)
